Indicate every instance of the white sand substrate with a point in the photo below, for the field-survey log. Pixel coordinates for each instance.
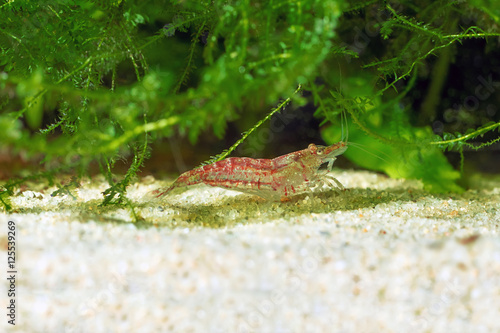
(383, 256)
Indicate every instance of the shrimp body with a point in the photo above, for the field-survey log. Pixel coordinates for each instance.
(275, 178)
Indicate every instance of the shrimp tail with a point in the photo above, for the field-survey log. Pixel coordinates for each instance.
(166, 191)
(187, 178)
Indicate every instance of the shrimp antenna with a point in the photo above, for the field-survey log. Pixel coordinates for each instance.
(343, 116)
(342, 126)
(360, 147)
(346, 126)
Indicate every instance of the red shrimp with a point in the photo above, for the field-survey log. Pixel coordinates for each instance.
(273, 179)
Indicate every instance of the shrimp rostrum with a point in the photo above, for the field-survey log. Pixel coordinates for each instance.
(273, 179)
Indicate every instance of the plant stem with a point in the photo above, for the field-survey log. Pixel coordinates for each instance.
(467, 136)
(224, 154)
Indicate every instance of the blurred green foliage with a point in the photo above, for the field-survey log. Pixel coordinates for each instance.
(86, 81)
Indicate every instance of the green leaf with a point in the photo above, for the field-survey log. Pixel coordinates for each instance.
(399, 159)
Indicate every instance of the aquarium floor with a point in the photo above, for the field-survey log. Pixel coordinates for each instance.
(383, 256)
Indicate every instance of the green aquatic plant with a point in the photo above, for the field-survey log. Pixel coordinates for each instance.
(383, 122)
(93, 82)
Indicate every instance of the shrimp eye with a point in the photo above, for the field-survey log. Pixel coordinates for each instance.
(320, 151)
